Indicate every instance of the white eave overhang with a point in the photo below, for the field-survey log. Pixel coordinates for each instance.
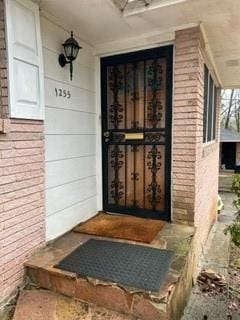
(103, 25)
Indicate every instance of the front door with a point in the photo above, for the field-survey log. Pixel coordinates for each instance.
(136, 132)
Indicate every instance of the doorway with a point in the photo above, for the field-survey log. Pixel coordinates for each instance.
(229, 155)
(136, 93)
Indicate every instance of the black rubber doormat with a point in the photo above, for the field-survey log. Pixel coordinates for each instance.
(135, 266)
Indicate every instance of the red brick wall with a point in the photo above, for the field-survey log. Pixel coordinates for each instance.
(207, 172)
(22, 223)
(207, 164)
(22, 220)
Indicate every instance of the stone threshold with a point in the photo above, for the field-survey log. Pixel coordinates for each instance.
(168, 303)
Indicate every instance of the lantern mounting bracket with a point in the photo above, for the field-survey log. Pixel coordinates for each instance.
(62, 60)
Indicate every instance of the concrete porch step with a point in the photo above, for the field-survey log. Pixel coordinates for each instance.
(168, 303)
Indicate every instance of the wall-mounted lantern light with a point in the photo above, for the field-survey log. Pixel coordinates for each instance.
(71, 48)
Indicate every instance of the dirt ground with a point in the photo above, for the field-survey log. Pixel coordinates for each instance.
(234, 282)
(209, 299)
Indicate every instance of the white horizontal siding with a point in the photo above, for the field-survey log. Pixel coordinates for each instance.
(77, 192)
(69, 146)
(68, 217)
(53, 37)
(70, 135)
(59, 121)
(68, 170)
(83, 76)
(81, 100)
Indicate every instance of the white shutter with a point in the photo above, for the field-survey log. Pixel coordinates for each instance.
(26, 92)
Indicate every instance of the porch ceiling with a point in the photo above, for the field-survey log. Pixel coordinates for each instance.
(99, 22)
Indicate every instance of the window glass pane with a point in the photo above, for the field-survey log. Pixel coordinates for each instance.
(206, 80)
(210, 110)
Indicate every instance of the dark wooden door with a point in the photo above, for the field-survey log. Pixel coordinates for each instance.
(136, 132)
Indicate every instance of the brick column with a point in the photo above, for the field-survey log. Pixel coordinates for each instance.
(187, 122)
(22, 215)
(195, 164)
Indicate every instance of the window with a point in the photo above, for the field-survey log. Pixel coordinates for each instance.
(210, 106)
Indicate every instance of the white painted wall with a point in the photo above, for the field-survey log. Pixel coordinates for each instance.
(70, 135)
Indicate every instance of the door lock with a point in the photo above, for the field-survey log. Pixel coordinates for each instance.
(106, 134)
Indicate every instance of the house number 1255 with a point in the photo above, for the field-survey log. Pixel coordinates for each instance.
(63, 93)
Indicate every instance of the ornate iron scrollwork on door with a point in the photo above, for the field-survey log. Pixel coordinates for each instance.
(116, 163)
(116, 84)
(154, 107)
(154, 165)
(155, 137)
(134, 175)
(135, 97)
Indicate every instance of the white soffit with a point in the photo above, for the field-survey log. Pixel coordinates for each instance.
(102, 24)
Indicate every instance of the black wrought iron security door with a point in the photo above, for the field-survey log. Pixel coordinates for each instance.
(136, 132)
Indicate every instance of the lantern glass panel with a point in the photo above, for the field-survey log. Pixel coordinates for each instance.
(68, 51)
(75, 52)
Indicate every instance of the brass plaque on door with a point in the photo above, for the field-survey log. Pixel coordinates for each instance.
(134, 136)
